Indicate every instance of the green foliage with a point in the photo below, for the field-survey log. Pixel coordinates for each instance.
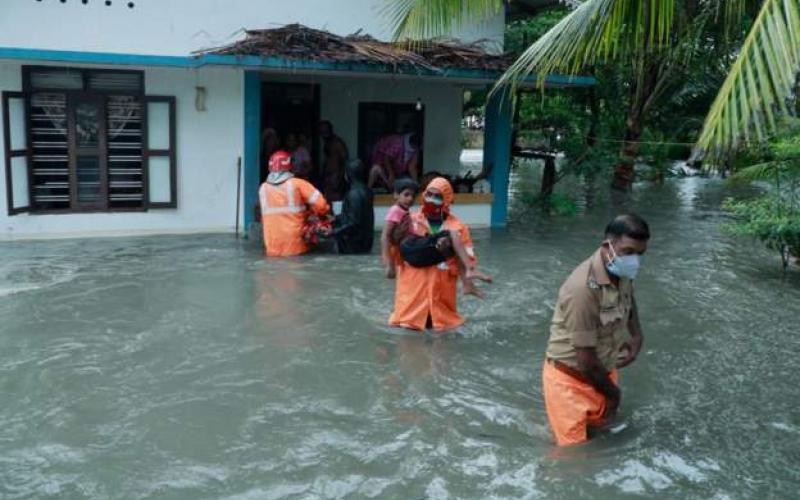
(762, 77)
(656, 38)
(520, 34)
(773, 219)
(660, 150)
(416, 20)
(555, 204)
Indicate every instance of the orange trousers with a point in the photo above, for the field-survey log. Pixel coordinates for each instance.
(572, 405)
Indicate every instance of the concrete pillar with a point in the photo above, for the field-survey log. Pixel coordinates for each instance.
(252, 145)
(497, 153)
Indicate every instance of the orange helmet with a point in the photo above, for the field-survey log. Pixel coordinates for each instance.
(280, 161)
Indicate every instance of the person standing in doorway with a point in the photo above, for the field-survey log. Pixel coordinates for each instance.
(595, 331)
(302, 165)
(270, 142)
(334, 160)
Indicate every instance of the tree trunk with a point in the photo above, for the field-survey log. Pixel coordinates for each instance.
(624, 171)
(594, 118)
(548, 176)
(645, 89)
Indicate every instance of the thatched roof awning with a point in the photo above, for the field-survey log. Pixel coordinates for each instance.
(301, 43)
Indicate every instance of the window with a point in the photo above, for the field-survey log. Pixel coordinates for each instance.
(377, 120)
(88, 140)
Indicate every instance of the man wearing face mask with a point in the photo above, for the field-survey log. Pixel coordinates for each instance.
(595, 331)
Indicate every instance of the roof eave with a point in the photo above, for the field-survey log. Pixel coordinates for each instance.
(285, 65)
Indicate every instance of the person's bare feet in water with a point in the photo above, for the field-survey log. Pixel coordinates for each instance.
(469, 288)
(473, 273)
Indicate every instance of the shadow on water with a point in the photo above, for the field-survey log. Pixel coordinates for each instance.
(192, 367)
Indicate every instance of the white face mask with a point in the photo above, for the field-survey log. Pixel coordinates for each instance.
(434, 200)
(623, 266)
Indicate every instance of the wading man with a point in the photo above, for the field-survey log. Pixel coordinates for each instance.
(595, 330)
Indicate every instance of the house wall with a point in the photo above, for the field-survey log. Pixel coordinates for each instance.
(208, 145)
(178, 27)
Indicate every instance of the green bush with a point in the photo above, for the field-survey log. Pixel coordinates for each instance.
(773, 219)
(770, 220)
(555, 204)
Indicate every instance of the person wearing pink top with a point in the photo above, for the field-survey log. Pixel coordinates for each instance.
(394, 156)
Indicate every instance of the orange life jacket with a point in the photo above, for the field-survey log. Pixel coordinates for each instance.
(285, 206)
(423, 292)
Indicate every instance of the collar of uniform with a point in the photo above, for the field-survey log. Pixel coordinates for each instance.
(598, 269)
(276, 178)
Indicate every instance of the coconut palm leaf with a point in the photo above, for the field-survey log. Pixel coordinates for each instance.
(415, 20)
(759, 82)
(597, 31)
(760, 172)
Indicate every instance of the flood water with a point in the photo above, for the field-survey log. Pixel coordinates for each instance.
(191, 367)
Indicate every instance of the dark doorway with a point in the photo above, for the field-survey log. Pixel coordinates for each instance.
(379, 119)
(289, 108)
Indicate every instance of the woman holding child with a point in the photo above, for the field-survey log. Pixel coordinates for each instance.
(426, 295)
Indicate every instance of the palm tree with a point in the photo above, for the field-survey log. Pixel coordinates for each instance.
(656, 40)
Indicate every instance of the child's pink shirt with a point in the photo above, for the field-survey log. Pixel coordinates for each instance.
(396, 214)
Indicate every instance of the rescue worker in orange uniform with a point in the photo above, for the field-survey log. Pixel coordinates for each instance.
(425, 297)
(286, 204)
(595, 331)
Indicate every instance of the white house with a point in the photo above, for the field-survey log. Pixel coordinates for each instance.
(114, 124)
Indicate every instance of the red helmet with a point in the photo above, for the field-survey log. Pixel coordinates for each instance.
(280, 161)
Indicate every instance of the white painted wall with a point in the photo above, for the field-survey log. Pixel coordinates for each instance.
(178, 27)
(208, 146)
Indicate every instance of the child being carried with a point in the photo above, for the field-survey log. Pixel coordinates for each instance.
(423, 251)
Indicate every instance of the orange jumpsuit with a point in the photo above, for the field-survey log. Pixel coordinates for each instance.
(285, 207)
(423, 292)
(572, 405)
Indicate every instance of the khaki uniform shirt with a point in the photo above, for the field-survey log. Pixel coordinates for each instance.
(591, 312)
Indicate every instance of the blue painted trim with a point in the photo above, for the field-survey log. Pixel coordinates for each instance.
(497, 151)
(268, 63)
(252, 144)
(95, 57)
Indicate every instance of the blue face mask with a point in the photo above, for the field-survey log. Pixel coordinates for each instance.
(623, 266)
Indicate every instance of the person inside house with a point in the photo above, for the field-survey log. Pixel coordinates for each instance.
(302, 167)
(334, 162)
(395, 156)
(595, 331)
(270, 142)
(354, 228)
(426, 297)
(289, 207)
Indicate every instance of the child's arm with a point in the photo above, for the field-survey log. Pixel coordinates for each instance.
(386, 245)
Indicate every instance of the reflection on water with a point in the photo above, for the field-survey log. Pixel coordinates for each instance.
(191, 367)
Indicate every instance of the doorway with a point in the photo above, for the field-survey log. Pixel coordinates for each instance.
(289, 108)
